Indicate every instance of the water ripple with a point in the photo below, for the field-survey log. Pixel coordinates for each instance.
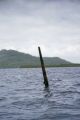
(24, 97)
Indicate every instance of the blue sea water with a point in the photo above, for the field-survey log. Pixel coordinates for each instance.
(24, 97)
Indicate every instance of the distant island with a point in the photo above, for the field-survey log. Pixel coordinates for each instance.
(15, 59)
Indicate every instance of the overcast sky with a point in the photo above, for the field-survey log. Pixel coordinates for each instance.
(52, 24)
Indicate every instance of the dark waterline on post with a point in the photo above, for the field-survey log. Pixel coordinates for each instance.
(43, 69)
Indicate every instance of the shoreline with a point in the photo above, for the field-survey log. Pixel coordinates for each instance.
(47, 66)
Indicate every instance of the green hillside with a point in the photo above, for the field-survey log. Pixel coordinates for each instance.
(13, 59)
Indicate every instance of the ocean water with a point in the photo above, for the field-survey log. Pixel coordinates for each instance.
(24, 97)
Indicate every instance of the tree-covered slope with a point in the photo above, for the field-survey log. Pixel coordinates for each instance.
(12, 58)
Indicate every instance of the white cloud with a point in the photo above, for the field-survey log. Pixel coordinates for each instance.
(53, 25)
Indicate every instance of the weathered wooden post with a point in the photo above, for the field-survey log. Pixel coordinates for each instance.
(43, 69)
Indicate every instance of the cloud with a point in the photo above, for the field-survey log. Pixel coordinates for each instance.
(52, 24)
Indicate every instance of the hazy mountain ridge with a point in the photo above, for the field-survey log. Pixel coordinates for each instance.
(13, 58)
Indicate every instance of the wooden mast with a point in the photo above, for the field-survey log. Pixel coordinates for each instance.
(43, 69)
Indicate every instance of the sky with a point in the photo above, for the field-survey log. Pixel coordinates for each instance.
(54, 25)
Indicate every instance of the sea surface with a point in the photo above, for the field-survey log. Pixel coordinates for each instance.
(23, 95)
